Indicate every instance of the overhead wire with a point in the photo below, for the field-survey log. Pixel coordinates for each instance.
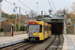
(50, 5)
(9, 2)
(53, 5)
(24, 9)
(15, 5)
(25, 5)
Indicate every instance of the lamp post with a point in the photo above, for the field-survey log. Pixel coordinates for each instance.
(16, 19)
(50, 12)
(0, 11)
(37, 8)
(19, 16)
(26, 17)
(16, 16)
(0, 7)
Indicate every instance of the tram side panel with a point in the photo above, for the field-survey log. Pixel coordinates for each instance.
(47, 31)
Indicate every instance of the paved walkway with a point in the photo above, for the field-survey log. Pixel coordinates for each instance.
(8, 40)
(73, 38)
(12, 38)
(69, 42)
(65, 43)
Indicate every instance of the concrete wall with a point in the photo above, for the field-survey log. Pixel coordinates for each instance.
(69, 21)
(19, 32)
(1, 34)
(15, 33)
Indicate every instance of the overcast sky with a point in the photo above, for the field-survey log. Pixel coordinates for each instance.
(42, 5)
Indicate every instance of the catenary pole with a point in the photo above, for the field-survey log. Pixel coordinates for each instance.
(19, 16)
(16, 19)
(0, 10)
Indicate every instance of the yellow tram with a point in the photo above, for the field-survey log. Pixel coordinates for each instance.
(38, 30)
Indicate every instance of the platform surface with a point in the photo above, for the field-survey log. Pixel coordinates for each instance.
(69, 42)
(8, 40)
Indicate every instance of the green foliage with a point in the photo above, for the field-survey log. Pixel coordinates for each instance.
(3, 14)
(17, 27)
(14, 16)
(1, 29)
(22, 27)
(11, 17)
(6, 15)
(39, 16)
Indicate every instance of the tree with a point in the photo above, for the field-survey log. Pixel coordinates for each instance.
(73, 7)
(39, 16)
(32, 13)
(6, 15)
(72, 16)
(64, 11)
(59, 11)
(3, 14)
(72, 13)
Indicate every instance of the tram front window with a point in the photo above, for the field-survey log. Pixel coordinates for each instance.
(35, 28)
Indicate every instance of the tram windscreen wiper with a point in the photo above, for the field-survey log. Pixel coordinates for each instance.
(35, 30)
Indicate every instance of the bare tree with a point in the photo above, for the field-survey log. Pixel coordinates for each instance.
(64, 12)
(32, 13)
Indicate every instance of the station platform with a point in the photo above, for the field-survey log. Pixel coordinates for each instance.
(9, 40)
(69, 42)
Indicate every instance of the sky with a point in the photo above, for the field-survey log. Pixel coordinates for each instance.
(43, 5)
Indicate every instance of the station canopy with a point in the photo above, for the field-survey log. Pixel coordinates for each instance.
(48, 18)
(2, 19)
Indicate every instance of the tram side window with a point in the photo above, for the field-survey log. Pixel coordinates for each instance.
(40, 30)
(46, 28)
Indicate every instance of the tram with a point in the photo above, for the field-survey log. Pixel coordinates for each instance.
(38, 30)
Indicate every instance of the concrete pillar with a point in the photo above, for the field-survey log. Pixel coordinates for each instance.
(19, 16)
(0, 11)
(0, 14)
(65, 25)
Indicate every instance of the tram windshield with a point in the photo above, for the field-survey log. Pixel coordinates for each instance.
(35, 28)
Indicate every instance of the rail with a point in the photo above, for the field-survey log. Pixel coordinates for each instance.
(55, 43)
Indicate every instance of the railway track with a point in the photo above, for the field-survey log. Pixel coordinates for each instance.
(56, 44)
(52, 43)
(11, 47)
(20, 46)
(25, 47)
